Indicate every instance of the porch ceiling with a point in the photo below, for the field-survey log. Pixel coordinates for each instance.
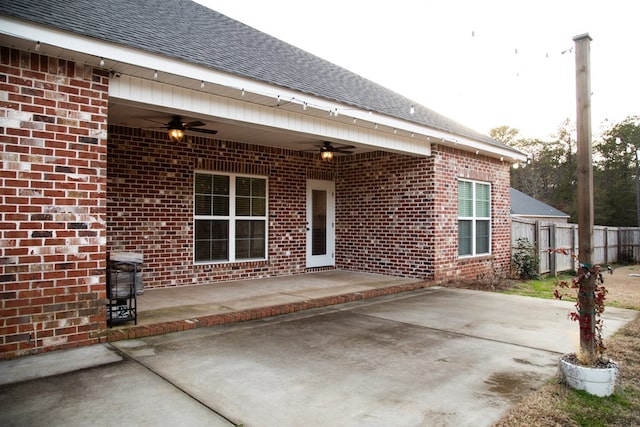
(155, 117)
(251, 113)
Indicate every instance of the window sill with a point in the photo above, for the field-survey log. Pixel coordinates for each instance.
(243, 263)
(474, 258)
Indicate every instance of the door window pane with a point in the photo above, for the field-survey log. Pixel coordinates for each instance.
(319, 222)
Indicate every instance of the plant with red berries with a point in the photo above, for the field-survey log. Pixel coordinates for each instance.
(587, 287)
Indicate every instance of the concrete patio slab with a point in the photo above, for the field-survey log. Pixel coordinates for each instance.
(55, 363)
(163, 305)
(119, 394)
(525, 321)
(429, 357)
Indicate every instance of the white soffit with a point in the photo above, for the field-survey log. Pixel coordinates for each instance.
(137, 90)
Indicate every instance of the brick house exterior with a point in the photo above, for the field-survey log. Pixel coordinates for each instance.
(80, 180)
(54, 171)
(388, 217)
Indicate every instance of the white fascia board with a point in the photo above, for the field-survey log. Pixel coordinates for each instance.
(467, 144)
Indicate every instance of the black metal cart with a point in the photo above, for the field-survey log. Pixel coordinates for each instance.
(122, 285)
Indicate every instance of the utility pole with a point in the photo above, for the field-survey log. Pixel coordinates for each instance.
(637, 186)
(585, 197)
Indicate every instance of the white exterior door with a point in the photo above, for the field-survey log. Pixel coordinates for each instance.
(320, 223)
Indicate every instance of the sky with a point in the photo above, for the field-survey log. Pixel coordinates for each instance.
(482, 63)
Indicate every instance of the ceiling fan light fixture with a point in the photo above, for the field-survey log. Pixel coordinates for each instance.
(326, 155)
(176, 129)
(176, 135)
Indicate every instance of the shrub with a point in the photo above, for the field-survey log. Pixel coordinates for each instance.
(627, 256)
(525, 260)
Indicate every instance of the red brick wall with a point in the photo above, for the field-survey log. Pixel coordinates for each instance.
(450, 164)
(395, 214)
(399, 215)
(53, 116)
(150, 203)
(385, 221)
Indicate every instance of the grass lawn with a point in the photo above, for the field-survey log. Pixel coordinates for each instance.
(541, 288)
(554, 404)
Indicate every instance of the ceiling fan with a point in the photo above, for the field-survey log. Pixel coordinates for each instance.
(176, 128)
(327, 150)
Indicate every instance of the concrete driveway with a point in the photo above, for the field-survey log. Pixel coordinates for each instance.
(432, 357)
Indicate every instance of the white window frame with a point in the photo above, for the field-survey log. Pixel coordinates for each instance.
(232, 218)
(474, 219)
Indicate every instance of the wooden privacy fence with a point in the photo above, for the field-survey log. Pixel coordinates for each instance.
(610, 244)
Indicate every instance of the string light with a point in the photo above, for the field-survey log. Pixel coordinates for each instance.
(102, 62)
(37, 46)
(334, 111)
(516, 52)
(305, 105)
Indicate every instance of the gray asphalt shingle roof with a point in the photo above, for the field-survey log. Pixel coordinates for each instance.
(188, 31)
(523, 204)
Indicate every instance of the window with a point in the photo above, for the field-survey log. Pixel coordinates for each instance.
(230, 218)
(474, 218)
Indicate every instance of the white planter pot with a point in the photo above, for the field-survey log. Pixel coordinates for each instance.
(597, 381)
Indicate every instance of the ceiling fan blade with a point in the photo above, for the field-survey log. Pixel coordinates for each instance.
(161, 124)
(193, 124)
(208, 131)
(340, 150)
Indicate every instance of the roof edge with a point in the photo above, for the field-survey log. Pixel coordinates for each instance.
(65, 41)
